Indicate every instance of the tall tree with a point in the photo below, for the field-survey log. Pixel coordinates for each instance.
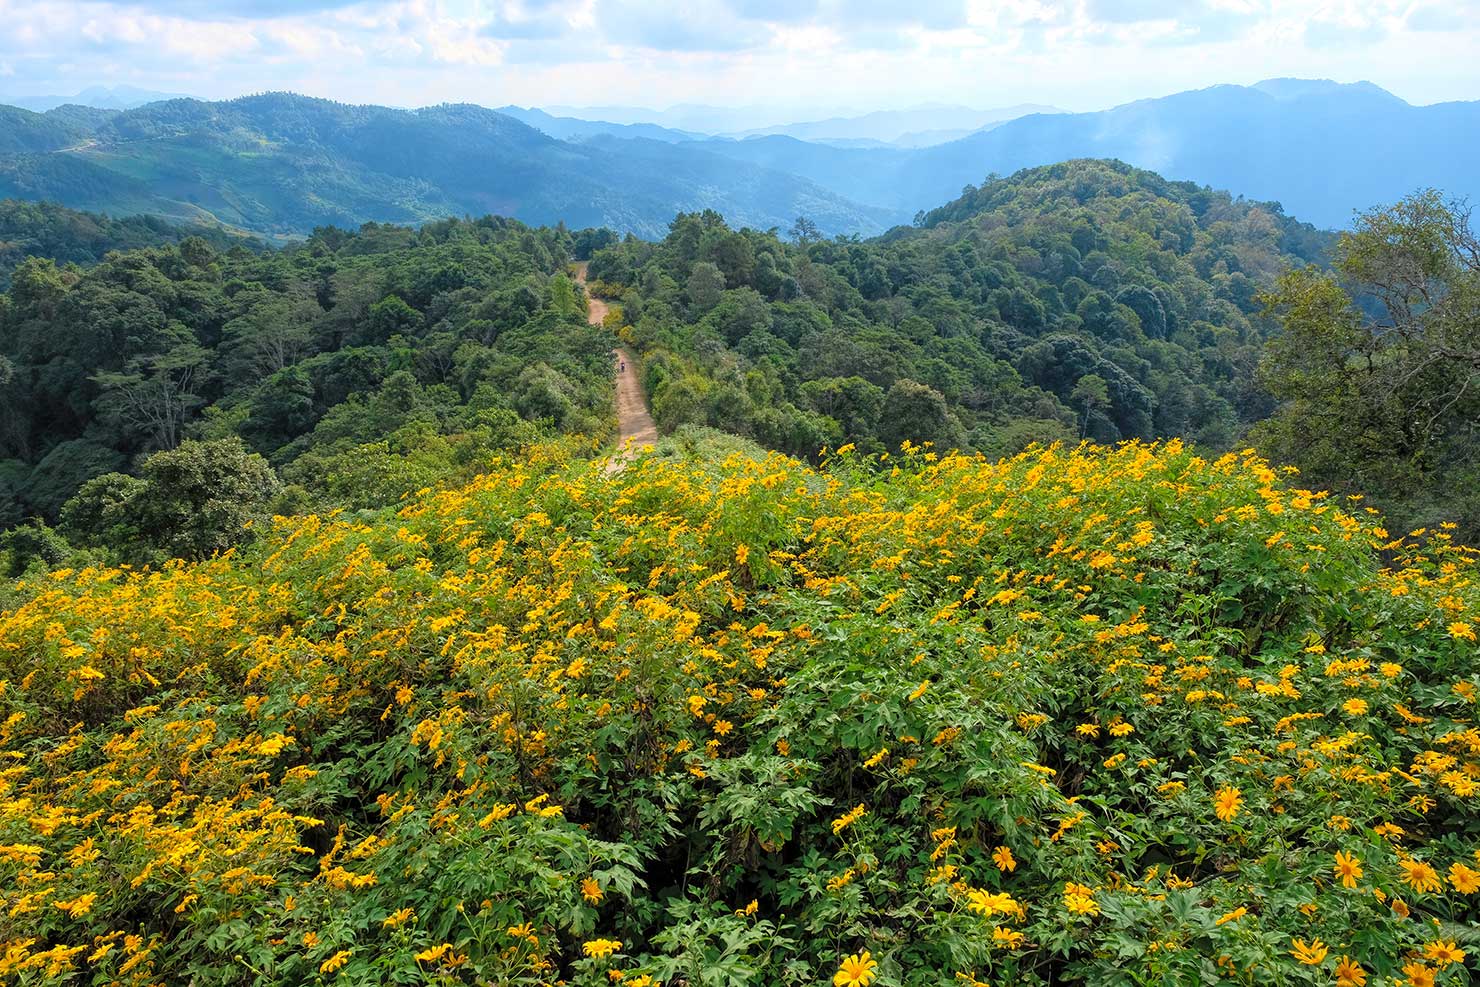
(153, 396)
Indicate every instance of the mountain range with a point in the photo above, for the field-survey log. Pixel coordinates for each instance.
(98, 97)
(282, 164)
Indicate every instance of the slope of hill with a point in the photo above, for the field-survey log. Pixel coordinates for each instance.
(24, 132)
(44, 229)
(285, 163)
(740, 722)
(361, 362)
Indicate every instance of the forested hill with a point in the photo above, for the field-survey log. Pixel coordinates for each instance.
(1086, 298)
(282, 163)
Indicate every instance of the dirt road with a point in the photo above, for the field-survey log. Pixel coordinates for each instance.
(635, 427)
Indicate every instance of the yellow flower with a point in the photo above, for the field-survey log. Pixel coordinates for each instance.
(601, 948)
(434, 954)
(1121, 730)
(855, 971)
(1420, 876)
(1226, 803)
(1311, 955)
(1080, 900)
(1348, 868)
(1232, 916)
(1355, 707)
(1442, 954)
(1461, 630)
(79, 906)
(1349, 973)
(336, 961)
(398, 918)
(1003, 858)
(1466, 880)
(848, 818)
(1006, 938)
(1418, 975)
(591, 891)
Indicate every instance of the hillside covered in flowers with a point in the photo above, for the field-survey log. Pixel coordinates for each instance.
(1113, 716)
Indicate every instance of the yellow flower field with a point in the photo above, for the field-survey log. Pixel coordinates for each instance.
(1094, 716)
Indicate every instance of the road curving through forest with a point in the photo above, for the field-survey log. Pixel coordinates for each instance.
(635, 426)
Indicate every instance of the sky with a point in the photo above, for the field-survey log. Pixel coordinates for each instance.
(808, 56)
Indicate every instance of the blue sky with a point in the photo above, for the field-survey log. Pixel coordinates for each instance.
(820, 55)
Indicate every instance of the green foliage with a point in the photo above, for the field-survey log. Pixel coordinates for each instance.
(44, 229)
(32, 545)
(1378, 364)
(333, 353)
(1090, 716)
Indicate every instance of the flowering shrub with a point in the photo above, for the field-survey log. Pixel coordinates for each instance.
(1100, 716)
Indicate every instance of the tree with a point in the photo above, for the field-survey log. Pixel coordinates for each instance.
(272, 335)
(804, 231)
(105, 511)
(65, 468)
(705, 286)
(563, 300)
(154, 395)
(1092, 394)
(543, 394)
(202, 495)
(1378, 367)
(27, 544)
(854, 403)
(915, 412)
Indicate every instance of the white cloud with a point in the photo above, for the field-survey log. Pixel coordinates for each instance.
(1079, 54)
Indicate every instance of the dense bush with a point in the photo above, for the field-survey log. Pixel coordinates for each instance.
(1097, 716)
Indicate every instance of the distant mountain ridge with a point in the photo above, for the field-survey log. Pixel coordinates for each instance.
(1321, 149)
(98, 97)
(282, 163)
(889, 126)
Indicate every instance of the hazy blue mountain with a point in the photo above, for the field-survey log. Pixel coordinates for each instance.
(571, 128)
(1319, 148)
(889, 126)
(864, 174)
(695, 117)
(283, 164)
(98, 97)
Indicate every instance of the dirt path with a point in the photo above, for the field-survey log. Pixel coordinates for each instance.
(635, 427)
